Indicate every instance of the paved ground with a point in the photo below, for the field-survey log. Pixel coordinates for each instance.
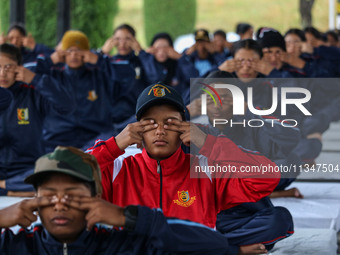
(330, 156)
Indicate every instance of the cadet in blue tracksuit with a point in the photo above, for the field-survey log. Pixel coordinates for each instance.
(32, 99)
(325, 100)
(17, 36)
(201, 53)
(327, 91)
(244, 30)
(302, 62)
(130, 76)
(68, 189)
(88, 78)
(274, 49)
(164, 64)
(248, 64)
(270, 139)
(323, 91)
(221, 46)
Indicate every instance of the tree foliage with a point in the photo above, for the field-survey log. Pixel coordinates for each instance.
(175, 17)
(94, 18)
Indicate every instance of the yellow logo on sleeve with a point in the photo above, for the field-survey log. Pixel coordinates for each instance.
(23, 116)
(184, 198)
(92, 95)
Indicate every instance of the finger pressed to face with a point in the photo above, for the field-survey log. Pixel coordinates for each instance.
(81, 202)
(159, 142)
(15, 37)
(177, 125)
(147, 125)
(7, 71)
(62, 221)
(123, 41)
(74, 57)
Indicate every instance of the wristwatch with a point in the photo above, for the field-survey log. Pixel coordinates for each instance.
(130, 213)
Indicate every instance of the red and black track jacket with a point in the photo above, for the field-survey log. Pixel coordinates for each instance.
(173, 185)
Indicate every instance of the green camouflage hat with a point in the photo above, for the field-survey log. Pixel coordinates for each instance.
(70, 161)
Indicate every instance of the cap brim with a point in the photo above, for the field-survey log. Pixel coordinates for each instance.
(32, 179)
(155, 101)
(202, 39)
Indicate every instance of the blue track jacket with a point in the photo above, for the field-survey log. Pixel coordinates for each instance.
(22, 126)
(154, 234)
(93, 94)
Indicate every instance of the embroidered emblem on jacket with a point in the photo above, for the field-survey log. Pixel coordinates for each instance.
(184, 198)
(92, 95)
(23, 117)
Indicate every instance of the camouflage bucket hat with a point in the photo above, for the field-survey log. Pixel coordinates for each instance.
(69, 161)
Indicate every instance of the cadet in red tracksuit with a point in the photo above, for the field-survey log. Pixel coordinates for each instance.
(163, 176)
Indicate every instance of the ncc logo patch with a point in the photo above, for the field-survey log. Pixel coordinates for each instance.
(184, 198)
(159, 90)
(23, 116)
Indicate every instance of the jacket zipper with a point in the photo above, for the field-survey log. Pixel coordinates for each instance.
(64, 249)
(159, 170)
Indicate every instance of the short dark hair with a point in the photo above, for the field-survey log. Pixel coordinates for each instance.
(162, 35)
(18, 26)
(332, 34)
(12, 52)
(314, 32)
(297, 32)
(248, 44)
(220, 32)
(127, 27)
(241, 28)
(44, 177)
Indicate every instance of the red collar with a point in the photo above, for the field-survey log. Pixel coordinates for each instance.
(170, 165)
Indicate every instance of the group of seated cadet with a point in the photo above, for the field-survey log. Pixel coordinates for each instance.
(129, 74)
(163, 176)
(67, 185)
(89, 79)
(76, 95)
(132, 69)
(29, 49)
(272, 139)
(300, 60)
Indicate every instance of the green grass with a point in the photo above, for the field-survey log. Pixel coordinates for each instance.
(225, 14)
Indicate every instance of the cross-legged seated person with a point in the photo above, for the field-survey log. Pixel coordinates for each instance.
(163, 176)
(68, 188)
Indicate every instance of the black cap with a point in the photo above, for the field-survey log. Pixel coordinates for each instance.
(202, 35)
(269, 37)
(5, 98)
(159, 93)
